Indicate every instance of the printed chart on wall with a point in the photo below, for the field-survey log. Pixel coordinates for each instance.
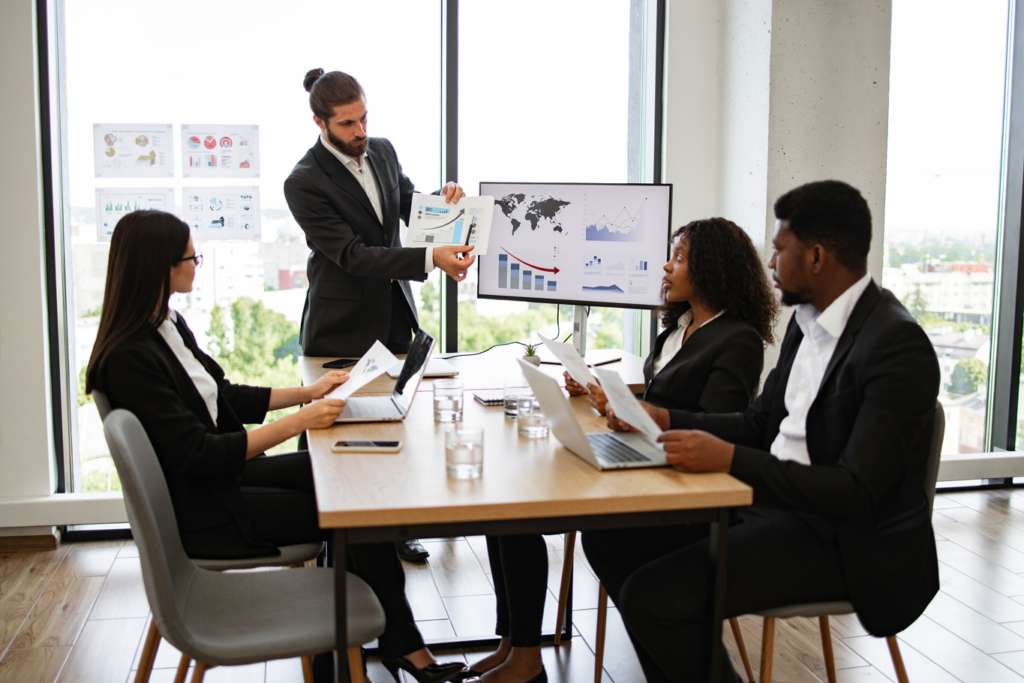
(604, 244)
(222, 213)
(114, 202)
(220, 151)
(133, 150)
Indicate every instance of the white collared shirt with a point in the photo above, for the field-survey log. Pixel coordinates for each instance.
(204, 383)
(821, 335)
(674, 341)
(363, 172)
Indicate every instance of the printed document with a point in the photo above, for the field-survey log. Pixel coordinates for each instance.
(433, 222)
(372, 365)
(569, 357)
(625, 405)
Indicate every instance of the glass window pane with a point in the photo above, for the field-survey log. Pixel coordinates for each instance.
(235, 62)
(942, 191)
(544, 99)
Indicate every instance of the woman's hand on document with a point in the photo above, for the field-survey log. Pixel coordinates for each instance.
(326, 384)
(691, 450)
(320, 414)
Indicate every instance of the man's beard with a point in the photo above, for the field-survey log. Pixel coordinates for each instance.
(789, 298)
(352, 150)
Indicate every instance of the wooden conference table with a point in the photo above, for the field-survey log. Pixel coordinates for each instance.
(527, 486)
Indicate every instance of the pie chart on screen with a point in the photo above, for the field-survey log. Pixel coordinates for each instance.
(225, 141)
(210, 142)
(194, 142)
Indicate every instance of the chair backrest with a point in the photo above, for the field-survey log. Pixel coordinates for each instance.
(166, 569)
(931, 472)
(102, 403)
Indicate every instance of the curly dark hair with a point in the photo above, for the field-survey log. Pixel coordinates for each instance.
(725, 272)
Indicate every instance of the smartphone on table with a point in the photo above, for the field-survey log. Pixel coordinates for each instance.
(366, 446)
(340, 364)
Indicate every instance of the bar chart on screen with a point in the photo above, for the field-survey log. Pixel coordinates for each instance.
(516, 273)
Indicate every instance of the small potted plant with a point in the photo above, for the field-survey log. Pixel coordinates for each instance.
(531, 354)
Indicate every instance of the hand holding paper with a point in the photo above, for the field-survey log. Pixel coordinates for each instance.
(625, 405)
(372, 365)
(569, 357)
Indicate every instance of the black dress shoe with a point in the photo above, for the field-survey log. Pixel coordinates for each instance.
(434, 673)
(411, 551)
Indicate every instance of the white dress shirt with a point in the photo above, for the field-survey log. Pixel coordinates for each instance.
(821, 335)
(674, 341)
(205, 384)
(365, 176)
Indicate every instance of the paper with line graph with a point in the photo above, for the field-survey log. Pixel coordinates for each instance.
(433, 222)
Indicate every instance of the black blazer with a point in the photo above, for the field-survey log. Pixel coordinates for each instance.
(868, 449)
(717, 370)
(200, 460)
(354, 257)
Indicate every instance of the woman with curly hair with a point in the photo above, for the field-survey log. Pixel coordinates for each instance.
(718, 311)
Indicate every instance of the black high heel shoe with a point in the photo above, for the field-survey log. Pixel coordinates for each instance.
(433, 673)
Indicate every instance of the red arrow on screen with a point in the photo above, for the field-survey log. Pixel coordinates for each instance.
(549, 270)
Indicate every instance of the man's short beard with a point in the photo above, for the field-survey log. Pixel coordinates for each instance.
(792, 298)
(354, 151)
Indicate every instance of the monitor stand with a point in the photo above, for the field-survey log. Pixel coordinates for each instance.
(579, 342)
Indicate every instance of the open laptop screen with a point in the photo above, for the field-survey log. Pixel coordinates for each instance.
(412, 369)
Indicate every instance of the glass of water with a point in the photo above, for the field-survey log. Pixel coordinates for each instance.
(464, 452)
(448, 397)
(514, 389)
(532, 422)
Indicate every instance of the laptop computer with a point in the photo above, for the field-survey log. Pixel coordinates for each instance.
(605, 451)
(396, 406)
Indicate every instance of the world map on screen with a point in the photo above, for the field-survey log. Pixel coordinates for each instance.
(540, 211)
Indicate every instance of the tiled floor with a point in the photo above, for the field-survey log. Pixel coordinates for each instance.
(79, 613)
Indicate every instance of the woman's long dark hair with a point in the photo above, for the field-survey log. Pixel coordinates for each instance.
(725, 272)
(144, 247)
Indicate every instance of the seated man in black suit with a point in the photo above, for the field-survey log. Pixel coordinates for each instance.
(834, 447)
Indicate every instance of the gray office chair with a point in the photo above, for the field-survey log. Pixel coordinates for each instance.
(823, 610)
(291, 556)
(221, 619)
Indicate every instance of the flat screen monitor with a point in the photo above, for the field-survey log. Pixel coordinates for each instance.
(582, 244)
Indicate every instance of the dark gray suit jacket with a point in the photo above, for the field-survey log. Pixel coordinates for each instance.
(868, 446)
(354, 257)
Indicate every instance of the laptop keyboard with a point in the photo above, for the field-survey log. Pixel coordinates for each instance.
(610, 449)
(373, 406)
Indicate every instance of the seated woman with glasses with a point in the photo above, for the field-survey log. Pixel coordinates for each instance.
(718, 311)
(230, 501)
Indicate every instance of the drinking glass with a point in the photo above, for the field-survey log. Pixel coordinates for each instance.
(464, 452)
(533, 424)
(448, 397)
(514, 389)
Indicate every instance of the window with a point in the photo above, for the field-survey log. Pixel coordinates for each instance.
(229, 62)
(942, 210)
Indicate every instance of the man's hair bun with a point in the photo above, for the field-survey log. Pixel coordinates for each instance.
(311, 77)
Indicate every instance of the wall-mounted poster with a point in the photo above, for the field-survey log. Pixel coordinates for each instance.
(212, 151)
(222, 213)
(114, 202)
(133, 150)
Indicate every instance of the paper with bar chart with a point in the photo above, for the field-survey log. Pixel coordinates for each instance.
(114, 202)
(222, 213)
(601, 244)
(434, 221)
(220, 151)
(133, 150)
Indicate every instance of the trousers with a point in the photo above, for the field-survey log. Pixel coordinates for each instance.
(658, 578)
(519, 567)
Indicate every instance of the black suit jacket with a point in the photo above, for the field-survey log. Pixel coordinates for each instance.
(354, 257)
(201, 461)
(716, 371)
(868, 449)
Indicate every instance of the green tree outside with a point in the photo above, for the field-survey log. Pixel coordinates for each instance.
(968, 375)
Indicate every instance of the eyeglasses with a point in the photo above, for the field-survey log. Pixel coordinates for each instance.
(197, 258)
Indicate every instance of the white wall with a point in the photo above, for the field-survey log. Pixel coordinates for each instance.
(26, 445)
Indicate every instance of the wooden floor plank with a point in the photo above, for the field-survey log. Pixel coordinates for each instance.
(251, 673)
(571, 662)
(60, 613)
(955, 655)
(456, 570)
(128, 549)
(89, 559)
(585, 587)
(104, 651)
(12, 616)
(971, 626)
(920, 669)
(41, 665)
(978, 596)
(167, 656)
(620, 661)
(471, 615)
(980, 569)
(785, 666)
(287, 671)
(123, 595)
(422, 592)
(802, 637)
(980, 544)
(23, 577)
